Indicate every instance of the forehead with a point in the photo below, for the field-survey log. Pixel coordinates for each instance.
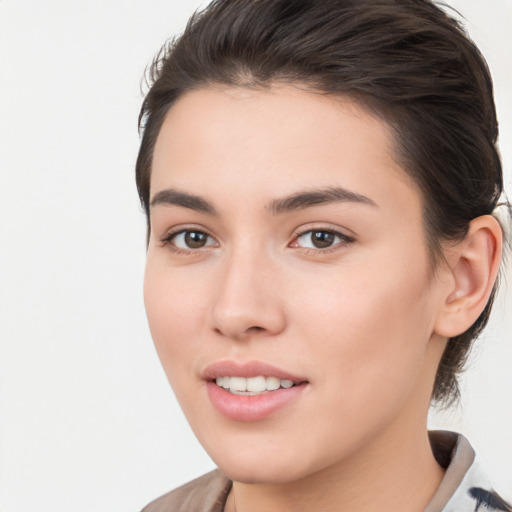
(251, 143)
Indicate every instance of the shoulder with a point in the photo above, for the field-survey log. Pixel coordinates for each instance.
(207, 493)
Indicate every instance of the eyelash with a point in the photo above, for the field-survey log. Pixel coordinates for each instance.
(167, 240)
(345, 240)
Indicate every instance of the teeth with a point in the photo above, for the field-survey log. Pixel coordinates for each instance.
(238, 384)
(273, 383)
(223, 382)
(257, 384)
(252, 385)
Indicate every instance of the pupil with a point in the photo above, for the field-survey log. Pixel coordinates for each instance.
(322, 239)
(195, 239)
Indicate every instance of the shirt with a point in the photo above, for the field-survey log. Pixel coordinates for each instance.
(465, 486)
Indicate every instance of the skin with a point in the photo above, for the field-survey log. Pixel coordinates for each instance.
(365, 320)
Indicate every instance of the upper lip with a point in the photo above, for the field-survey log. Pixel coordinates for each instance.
(229, 368)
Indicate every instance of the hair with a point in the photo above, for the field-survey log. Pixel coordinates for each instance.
(406, 61)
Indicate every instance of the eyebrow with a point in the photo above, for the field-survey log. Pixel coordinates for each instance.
(296, 201)
(177, 198)
(309, 198)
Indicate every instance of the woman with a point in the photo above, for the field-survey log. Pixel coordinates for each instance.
(319, 180)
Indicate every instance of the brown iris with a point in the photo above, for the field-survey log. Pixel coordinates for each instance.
(322, 239)
(195, 239)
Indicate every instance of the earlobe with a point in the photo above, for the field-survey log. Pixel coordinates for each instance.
(473, 266)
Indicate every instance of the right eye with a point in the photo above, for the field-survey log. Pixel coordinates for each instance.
(190, 239)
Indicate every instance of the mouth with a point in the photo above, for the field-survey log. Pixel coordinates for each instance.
(253, 386)
(251, 391)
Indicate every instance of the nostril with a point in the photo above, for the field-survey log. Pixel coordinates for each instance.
(256, 329)
(239, 319)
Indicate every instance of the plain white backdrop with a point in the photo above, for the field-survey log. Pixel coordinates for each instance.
(87, 420)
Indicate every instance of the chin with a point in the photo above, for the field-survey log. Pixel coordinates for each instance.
(251, 465)
(267, 474)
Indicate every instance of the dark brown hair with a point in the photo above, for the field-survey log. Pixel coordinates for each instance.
(406, 60)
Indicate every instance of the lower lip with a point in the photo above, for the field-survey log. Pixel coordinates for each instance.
(251, 407)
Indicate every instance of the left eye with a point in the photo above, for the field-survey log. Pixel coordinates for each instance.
(191, 239)
(320, 239)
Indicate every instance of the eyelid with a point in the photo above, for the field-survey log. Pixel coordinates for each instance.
(167, 238)
(345, 239)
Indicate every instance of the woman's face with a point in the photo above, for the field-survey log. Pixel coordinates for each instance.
(287, 244)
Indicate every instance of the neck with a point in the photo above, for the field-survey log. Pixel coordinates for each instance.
(389, 467)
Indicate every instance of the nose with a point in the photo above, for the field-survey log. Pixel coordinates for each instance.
(248, 301)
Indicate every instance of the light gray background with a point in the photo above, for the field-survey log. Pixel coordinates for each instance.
(87, 421)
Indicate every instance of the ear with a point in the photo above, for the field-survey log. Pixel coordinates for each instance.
(472, 266)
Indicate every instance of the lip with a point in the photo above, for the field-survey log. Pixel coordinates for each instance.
(248, 408)
(249, 369)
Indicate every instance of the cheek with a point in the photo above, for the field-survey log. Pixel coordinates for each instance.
(175, 314)
(369, 328)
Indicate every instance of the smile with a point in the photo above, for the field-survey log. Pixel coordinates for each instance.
(252, 386)
(253, 390)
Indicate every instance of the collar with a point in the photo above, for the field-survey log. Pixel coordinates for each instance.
(465, 486)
